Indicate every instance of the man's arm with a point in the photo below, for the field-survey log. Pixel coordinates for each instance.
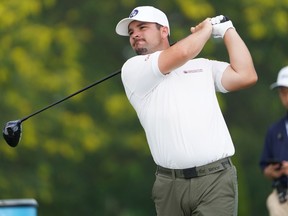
(186, 49)
(241, 72)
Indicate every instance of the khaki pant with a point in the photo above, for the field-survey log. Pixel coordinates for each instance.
(211, 195)
(274, 207)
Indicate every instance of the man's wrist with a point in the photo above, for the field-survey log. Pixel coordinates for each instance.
(220, 25)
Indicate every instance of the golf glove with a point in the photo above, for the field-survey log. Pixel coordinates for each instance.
(220, 24)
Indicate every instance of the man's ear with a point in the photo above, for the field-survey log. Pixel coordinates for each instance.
(164, 31)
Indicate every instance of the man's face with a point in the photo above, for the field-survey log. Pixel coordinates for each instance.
(145, 37)
(283, 94)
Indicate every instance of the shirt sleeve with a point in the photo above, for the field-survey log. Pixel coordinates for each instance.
(218, 69)
(140, 74)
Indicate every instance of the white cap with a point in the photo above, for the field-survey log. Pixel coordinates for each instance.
(282, 79)
(143, 14)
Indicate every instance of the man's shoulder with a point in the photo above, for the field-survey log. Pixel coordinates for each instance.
(140, 58)
(204, 62)
(201, 63)
(198, 60)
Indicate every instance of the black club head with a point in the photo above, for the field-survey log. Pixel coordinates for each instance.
(12, 132)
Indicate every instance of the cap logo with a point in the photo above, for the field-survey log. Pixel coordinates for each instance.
(133, 13)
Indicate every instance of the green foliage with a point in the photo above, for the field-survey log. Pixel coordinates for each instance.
(196, 9)
(88, 156)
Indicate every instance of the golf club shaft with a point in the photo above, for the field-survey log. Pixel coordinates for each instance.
(64, 99)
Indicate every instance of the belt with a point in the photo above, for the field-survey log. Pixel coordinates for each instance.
(193, 172)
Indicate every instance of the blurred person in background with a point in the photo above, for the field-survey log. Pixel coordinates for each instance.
(274, 158)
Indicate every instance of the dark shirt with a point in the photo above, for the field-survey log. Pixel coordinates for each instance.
(275, 146)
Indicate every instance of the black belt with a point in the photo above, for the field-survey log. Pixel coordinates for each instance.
(196, 171)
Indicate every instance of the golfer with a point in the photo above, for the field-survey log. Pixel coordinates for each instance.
(174, 95)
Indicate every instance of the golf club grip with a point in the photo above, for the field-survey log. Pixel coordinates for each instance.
(71, 95)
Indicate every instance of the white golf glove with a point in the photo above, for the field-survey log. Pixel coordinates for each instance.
(220, 24)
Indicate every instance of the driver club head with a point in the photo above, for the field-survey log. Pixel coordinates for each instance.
(12, 132)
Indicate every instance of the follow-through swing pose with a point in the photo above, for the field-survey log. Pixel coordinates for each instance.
(174, 95)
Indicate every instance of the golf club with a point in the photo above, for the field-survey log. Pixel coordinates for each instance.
(12, 130)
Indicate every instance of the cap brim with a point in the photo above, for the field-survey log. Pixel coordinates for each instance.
(122, 26)
(276, 85)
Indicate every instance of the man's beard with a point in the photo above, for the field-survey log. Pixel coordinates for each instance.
(141, 51)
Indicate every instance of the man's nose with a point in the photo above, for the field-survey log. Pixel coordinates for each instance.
(135, 34)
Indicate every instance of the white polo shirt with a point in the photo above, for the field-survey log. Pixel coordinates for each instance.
(179, 111)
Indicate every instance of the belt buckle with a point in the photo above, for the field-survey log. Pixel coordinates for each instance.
(190, 173)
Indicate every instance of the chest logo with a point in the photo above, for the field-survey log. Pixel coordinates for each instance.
(193, 71)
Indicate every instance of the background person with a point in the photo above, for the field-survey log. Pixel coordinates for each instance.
(175, 99)
(274, 159)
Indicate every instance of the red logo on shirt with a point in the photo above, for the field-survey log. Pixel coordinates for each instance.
(193, 71)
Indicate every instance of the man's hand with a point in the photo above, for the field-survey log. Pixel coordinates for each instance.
(284, 168)
(203, 26)
(273, 171)
(276, 170)
(220, 25)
